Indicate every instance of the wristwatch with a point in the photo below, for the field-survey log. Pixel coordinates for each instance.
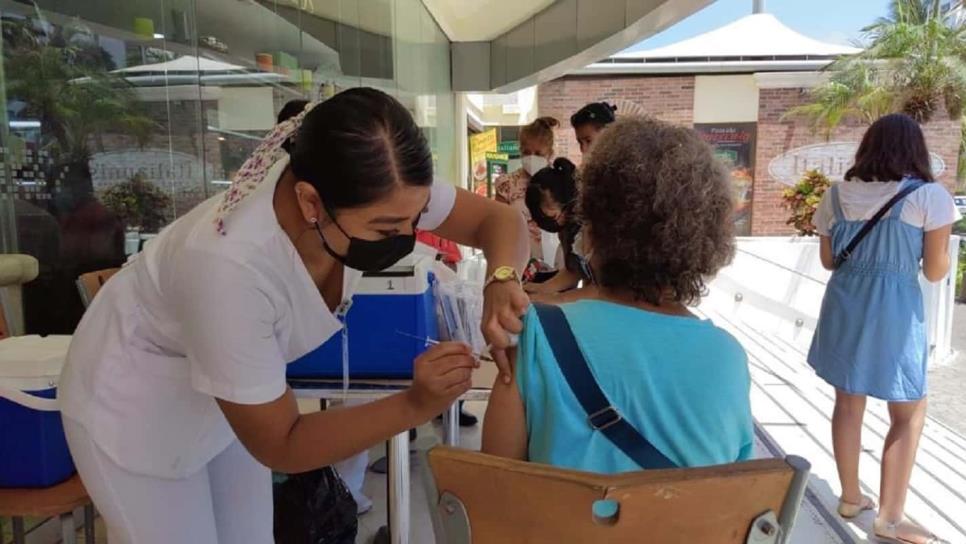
(502, 274)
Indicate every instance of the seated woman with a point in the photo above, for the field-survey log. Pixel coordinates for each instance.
(550, 199)
(657, 213)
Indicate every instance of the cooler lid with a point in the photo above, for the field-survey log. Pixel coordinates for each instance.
(33, 356)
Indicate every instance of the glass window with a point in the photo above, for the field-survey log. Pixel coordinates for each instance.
(122, 115)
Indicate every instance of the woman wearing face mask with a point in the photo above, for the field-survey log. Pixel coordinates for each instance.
(174, 396)
(550, 199)
(589, 121)
(536, 151)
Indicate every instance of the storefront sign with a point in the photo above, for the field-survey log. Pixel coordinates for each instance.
(734, 144)
(480, 145)
(832, 159)
(510, 147)
(497, 164)
(171, 170)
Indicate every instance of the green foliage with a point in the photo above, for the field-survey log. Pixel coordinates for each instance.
(803, 199)
(961, 271)
(63, 78)
(138, 203)
(960, 229)
(915, 63)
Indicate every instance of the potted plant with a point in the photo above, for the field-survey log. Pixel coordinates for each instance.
(138, 203)
(803, 199)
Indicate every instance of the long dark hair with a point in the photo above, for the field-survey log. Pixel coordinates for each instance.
(356, 146)
(893, 148)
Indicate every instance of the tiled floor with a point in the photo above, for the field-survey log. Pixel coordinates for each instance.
(794, 407)
(422, 532)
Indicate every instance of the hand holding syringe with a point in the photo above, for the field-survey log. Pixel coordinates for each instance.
(483, 356)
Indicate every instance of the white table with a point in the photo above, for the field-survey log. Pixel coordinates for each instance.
(397, 449)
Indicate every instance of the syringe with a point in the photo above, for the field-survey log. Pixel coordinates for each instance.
(430, 342)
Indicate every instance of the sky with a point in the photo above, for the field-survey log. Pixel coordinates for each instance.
(835, 21)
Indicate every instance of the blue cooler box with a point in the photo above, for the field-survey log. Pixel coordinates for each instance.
(399, 299)
(33, 449)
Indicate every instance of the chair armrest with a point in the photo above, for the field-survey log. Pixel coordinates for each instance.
(17, 269)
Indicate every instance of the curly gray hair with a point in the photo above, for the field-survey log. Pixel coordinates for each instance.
(659, 208)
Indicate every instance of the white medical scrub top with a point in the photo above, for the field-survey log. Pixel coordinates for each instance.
(198, 316)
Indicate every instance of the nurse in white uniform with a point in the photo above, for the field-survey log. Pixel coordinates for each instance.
(174, 396)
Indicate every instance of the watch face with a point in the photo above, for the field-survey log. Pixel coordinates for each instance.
(503, 274)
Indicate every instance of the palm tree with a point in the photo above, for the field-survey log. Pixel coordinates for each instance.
(915, 63)
(62, 79)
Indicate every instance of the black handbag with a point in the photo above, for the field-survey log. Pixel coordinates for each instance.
(314, 507)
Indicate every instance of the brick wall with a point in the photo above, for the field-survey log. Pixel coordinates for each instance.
(669, 98)
(777, 136)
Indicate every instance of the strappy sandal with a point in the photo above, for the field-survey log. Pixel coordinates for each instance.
(849, 510)
(889, 532)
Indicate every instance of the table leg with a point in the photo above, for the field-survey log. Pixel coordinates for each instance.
(398, 481)
(19, 536)
(67, 529)
(451, 425)
(89, 515)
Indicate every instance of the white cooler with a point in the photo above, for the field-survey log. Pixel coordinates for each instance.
(33, 448)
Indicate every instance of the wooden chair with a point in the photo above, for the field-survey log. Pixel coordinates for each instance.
(484, 499)
(57, 501)
(89, 284)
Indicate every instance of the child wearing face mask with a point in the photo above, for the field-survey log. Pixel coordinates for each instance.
(536, 150)
(550, 199)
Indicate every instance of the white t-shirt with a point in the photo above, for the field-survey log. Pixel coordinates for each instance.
(928, 207)
(196, 316)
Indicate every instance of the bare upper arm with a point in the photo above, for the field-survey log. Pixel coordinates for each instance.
(935, 253)
(470, 212)
(825, 253)
(263, 428)
(504, 427)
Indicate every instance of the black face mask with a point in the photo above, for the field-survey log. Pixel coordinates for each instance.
(546, 224)
(549, 224)
(371, 255)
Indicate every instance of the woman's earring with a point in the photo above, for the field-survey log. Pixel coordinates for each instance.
(314, 220)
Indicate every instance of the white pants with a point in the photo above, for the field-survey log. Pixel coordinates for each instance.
(227, 502)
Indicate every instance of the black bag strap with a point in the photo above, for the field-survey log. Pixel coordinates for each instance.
(601, 414)
(846, 253)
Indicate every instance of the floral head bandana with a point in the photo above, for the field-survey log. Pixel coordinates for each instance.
(253, 172)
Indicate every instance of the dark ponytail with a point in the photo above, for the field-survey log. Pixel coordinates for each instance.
(600, 114)
(356, 146)
(291, 109)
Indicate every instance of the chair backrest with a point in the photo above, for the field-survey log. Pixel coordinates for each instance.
(485, 499)
(89, 284)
